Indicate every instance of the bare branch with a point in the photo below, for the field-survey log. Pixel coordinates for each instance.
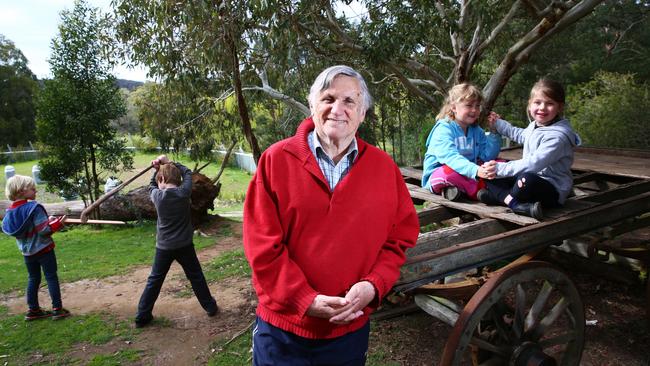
(507, 19)
(521, 51)
(410, 86)
(619, 37)
(440, 83)
(275, 94)
(224, 163)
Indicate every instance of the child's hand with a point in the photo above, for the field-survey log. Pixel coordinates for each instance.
(492, 120)
(488, 170)
(56, 223)
(162, 159)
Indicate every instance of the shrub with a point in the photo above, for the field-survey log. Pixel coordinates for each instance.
(611, 111)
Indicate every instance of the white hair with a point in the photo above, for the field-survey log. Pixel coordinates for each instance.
(325, 78)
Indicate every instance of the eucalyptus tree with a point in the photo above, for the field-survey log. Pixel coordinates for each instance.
(18, 87)
(197, 46)
(76, 107)
(429, 46)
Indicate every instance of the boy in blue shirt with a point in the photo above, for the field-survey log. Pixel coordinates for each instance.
(27, 220)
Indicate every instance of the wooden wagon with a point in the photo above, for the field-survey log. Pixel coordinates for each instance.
(506, 307)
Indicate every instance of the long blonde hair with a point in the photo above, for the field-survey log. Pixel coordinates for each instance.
(457, 94)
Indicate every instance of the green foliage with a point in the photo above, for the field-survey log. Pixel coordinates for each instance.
(18, 87)
(129, 122)
(143, 143)
(183, 119)
(76, 107)
(611, 111)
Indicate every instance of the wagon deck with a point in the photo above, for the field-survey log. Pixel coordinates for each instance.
(611, 190)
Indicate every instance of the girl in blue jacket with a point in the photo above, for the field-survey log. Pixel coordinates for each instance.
(459, 154)
(542, 177)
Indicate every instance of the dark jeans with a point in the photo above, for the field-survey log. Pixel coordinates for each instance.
(186, 257)
(534, 189)
(274, 346)
(34, 263)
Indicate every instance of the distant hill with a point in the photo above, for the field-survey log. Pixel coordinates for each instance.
(128, 84)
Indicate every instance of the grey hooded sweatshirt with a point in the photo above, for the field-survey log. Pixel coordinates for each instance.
(548, 152)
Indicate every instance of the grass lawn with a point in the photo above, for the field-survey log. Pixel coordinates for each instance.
(82, 253)
(85, 252)
(45, 342)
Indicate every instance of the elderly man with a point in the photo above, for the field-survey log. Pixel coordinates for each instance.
(327, 219)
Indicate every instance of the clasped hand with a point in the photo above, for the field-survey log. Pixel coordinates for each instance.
(488, 170)
(343, 310)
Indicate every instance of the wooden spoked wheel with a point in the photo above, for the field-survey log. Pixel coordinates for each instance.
(529, 314)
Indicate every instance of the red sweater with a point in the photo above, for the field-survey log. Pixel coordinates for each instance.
(302, 240)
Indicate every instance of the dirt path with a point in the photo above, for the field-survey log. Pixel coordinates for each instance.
(187, 337)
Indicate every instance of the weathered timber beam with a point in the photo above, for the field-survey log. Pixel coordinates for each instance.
(623, 191)
(411, 172)
(434, 214)
(586, 177)
(433, 305)
(425, 268)
(591, 266)
(477, 208)
(449, 236)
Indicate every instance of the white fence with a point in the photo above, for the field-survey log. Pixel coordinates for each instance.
(241, 159)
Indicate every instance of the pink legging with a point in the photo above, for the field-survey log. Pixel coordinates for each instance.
(444, 176)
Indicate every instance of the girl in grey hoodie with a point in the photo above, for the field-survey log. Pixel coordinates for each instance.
(542, 177)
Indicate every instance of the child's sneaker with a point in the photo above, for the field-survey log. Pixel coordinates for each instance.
(60, 313)
(37, 314)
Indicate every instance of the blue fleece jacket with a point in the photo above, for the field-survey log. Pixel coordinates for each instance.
(449, 145)
(28, 222)
(548, 152)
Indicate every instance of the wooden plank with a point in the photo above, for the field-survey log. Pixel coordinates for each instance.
(631, 163)
(571, 205)
(425, 268)
(453, 235)
(477, 208)
(432, 306)
(620, 192)
(97, 222)
(435, 213)
(411, 172)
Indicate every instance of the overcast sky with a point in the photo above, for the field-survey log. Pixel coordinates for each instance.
(31, 25)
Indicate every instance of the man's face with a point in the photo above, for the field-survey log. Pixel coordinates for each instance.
(338, 110)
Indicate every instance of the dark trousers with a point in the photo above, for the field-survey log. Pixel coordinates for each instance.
(34, 263)
(533, 189)
(186, 257)
(274, 346)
